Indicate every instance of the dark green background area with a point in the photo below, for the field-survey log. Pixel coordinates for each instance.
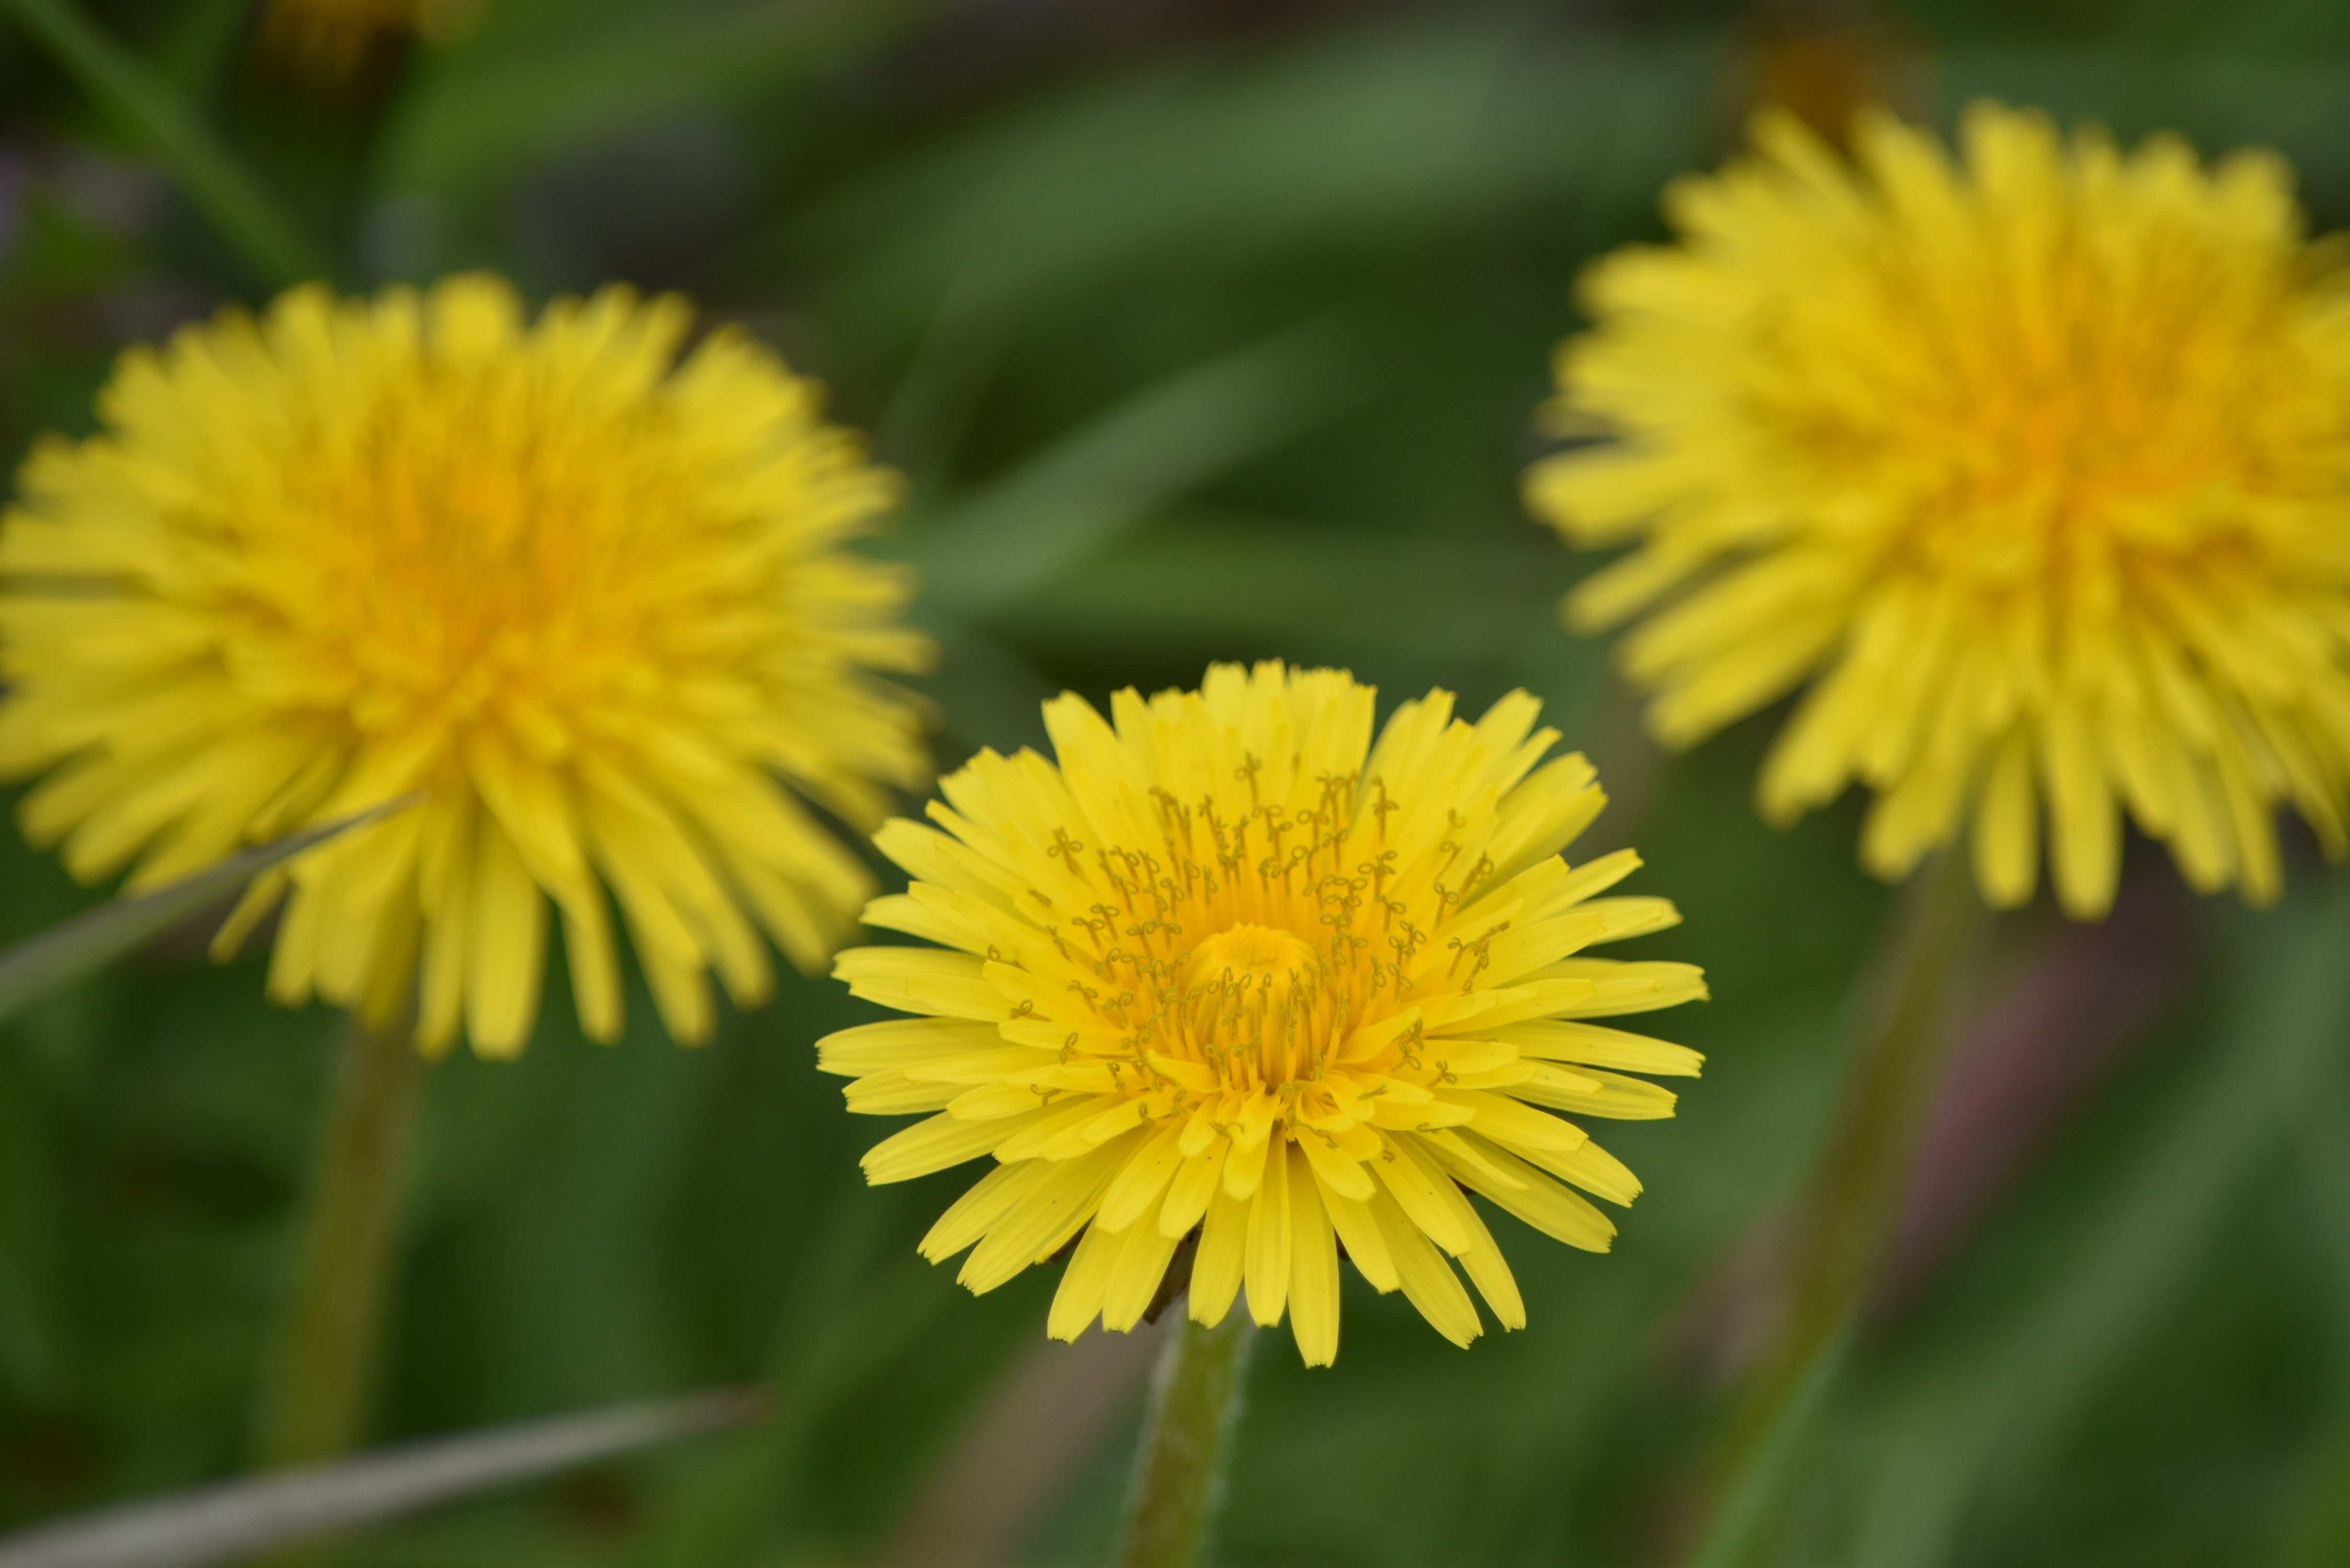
(1201, 331)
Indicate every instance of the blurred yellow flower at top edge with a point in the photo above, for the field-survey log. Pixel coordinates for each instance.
(587, 599)
(329, 38)
(1232, 968)
(2036, 465)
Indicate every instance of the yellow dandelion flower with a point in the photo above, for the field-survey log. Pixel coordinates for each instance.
(2039, 464)
(331, 38)
(1231, 967)
(588, 600)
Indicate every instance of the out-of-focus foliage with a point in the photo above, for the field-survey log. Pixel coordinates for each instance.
(1201, 331)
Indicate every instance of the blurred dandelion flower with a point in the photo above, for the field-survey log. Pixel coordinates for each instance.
(588, 600)
(329, 39)
(2040, 464)
(1231, 966)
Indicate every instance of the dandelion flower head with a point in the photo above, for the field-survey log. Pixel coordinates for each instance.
(588, 600)
(1232, 968)
(331, 39)
(2035, 464)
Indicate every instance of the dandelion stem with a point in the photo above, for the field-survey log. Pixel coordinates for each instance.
(1851, 1203)
(316, 1399)
(1178, 1477)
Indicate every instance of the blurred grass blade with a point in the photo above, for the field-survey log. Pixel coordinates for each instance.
(1017, 533)
(65, 954)
(741, 1503)
(991, 696)
(1854, 1200)
(1424, 126)
(223, 1523)
(534, 83)
(2317, 1521)
(2315, 1529)
(146, 109)
(1743, 1513)
(1977, 1440)
(1305, 586)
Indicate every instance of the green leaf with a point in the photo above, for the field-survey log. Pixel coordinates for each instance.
(1861, 1173)
(2315, 1530)
(1324, 590)
(1190, 428)
(841, 1327)
(1974, 1438)
(223, 1523)
(143, 104)
(1416, 128)
(551, 80)
(65, 954)
(989, 695)
(33, 1334)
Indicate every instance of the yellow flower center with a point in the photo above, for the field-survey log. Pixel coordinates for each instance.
(1257, 1014)
(2045, 416)
(1252, 954)
(450, 567)
(1257, 1007)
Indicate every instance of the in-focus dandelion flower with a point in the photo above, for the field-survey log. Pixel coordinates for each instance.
(588, 600)
(2037, 466)
(1232, 968)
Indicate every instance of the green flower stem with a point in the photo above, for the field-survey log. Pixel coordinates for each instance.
(1178, 1477)
(143, 106)
(1852, 1203)
(316, 1399)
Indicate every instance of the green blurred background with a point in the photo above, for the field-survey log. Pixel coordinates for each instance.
(1203, 329)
